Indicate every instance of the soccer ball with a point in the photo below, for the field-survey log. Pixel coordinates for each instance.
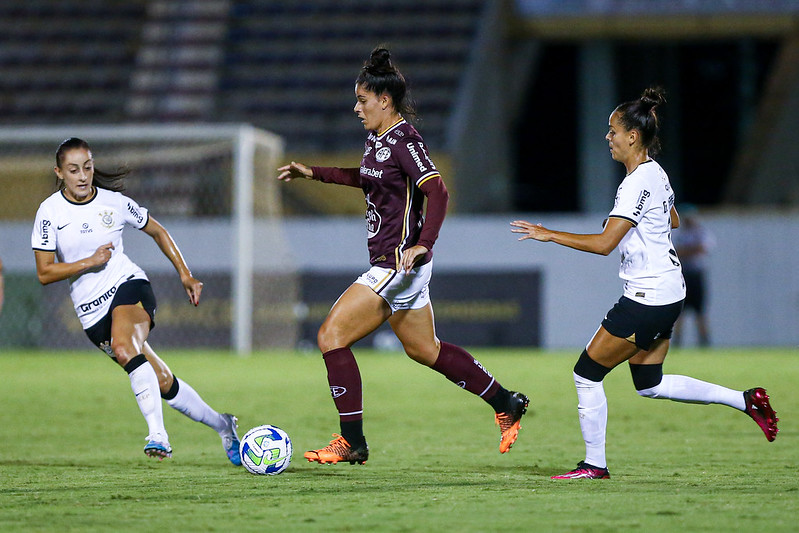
(265, 450)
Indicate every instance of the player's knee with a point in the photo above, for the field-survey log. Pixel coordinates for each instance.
(329, 338)
(646, 379)
(424, 355)
(123, 351)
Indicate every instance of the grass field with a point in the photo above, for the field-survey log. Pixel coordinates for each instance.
(72, 456)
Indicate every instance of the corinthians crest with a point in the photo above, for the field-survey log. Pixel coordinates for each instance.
(106, 218)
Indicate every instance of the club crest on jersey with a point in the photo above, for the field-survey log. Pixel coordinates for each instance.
(106, 218)
(383, 154)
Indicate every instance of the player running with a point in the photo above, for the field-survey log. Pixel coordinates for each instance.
(81, 225)
(638, 327)
(396, 175)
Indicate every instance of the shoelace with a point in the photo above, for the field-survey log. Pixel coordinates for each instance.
(504, 420)
(339, 446)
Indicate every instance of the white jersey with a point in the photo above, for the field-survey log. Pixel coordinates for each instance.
(75, 231)
(649, 264)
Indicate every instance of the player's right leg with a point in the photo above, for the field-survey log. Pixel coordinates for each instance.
(416, 331)
(130, 325)
(358, 312)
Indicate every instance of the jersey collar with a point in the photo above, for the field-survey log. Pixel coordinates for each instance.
(90, 200)
(397, 123)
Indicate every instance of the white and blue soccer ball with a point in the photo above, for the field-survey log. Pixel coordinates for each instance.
(265, 450)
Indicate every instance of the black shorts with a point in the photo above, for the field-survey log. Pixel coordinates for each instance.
(641, 324)
(694, 290)
(133, 292)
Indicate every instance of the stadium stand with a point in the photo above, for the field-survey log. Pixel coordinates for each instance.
(62, 60)
(289, 65)
(284, 66)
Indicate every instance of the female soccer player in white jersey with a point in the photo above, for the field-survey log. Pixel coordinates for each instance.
(77, 236)
(638, 328)
(396, 174)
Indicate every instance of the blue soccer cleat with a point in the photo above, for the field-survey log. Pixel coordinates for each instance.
(230, 440)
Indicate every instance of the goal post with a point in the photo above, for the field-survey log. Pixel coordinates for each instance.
(205, 178)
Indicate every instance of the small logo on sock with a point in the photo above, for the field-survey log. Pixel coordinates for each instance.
(461, 384)
(337, 391)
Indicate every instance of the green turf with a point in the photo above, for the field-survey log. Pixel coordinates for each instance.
(72, 459)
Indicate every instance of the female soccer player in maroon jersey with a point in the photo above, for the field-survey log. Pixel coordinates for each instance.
(396, 175)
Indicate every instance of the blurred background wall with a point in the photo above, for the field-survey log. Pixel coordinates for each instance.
(513, 99)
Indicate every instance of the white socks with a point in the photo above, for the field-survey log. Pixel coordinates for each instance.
(144, 383)
(690, 390)
(188, 402)
(592, 407)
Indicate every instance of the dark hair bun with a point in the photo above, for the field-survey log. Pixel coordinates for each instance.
(654, 96)
(379, 62)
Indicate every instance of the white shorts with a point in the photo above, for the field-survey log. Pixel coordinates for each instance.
(398, 289)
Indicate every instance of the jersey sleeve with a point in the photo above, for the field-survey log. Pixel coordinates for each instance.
(132, 213)
(342, 176)
(43, 237)
(632, 200)
(415, 162)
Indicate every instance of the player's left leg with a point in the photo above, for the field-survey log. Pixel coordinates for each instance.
(183, 398)
(415, 328)
(646, 368)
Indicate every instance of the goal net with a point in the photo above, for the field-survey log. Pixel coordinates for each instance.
(212, 186)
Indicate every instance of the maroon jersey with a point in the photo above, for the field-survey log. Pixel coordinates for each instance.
(394, 167)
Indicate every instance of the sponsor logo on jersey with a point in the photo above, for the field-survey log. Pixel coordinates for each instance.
(85, 308)
(106, 218)
(373, 219)
(641, 201)
(416, 158)
(390, 140)
(135, 212)
(45, 232)
(84, 228)
(367, 151)
(373, 172)
(59, 228)
(383, 154)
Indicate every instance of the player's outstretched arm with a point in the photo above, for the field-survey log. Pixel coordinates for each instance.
(294, 170)
(598, 243)
(169, 247)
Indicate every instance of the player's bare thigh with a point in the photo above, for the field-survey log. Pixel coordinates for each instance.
(609, 350)
(416, 330)
(130, 326)
(357, 313)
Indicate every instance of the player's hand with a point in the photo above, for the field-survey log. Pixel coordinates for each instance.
(410, 256)
(294, 170)
(531, 231)
(194, 288)
(102, 255)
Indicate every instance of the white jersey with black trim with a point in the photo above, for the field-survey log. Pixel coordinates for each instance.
(649, 265)
(74, 232)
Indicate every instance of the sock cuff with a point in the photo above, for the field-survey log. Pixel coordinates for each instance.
(589, 369)
(173, 390)
(135, 363)
(336, 351)
(646, 376)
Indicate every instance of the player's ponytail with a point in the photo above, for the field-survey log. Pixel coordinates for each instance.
(642, 115)
(379, 75)
(113, 181)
